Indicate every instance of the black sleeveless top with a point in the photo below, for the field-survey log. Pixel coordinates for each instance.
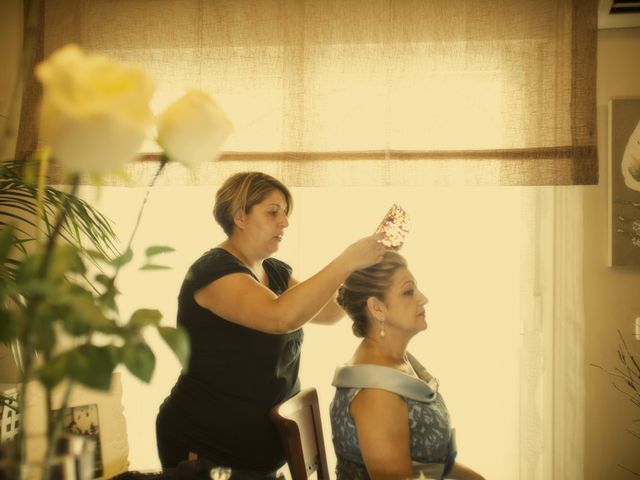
(235, 373)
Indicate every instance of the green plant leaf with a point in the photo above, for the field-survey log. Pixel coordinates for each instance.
(53, 371)
(28, 269)
(18, 205)
(158, 249)
(7, 240)
(81, 315)
(144, 317)
(178, 340)
(123, 259)
(115, 353)
(91, 366)
(9, 400)
(9, 325)
(152, 266)
(108, 298)
(103, 279)
(96, 255)
(66, 259)
(139, 359)
(44, 336)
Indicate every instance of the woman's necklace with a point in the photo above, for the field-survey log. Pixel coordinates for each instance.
(408, 369)
(258, 272)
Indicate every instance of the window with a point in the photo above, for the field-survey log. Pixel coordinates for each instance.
(471, 250)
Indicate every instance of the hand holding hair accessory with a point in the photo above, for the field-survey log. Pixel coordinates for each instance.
(395, 226)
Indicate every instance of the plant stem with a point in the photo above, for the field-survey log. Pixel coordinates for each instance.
(29, 347)
(42, 181)
(54, 425)
(163, 161)
(62, 214)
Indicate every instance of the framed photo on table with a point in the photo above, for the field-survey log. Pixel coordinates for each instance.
(84, 420)
(624, 182)
(95, 414)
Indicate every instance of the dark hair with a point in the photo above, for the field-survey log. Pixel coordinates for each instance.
(373, 281)
(240, 192)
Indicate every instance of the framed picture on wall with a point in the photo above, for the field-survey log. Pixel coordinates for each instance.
(624, 182)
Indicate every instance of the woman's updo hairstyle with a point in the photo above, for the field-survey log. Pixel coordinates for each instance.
(240, 192)
(373, 281)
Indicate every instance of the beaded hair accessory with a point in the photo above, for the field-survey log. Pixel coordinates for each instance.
(395, 226)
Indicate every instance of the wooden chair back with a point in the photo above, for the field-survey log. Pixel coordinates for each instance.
(298, 423)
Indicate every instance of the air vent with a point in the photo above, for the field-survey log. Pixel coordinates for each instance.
(624, 6)
(619, 14)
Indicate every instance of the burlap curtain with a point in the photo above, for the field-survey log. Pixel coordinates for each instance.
(366, 92)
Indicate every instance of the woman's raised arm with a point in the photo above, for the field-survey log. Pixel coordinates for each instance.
(241, 299)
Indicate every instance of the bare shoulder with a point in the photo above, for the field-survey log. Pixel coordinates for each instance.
(380, 404)
(382, 426)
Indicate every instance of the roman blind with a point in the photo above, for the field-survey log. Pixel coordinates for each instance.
(364, 92)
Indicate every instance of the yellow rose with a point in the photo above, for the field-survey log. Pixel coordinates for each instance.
(631, 160)
(94, 113)
(193, 128)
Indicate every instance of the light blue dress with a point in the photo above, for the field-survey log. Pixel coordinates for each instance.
(431, 438)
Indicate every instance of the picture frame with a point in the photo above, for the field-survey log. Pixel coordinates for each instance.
(106, 408)
(624, 190)
(85, 420)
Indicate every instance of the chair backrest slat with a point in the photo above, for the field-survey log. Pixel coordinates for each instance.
(298, 423)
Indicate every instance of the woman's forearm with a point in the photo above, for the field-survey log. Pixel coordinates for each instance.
(330, 314)
(239, 299)
(305, 300)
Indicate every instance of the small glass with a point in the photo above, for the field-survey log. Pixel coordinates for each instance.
(220, 473)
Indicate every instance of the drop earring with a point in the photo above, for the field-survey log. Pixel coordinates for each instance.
(382, 332)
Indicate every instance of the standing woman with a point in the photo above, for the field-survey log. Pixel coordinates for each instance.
(243, 312)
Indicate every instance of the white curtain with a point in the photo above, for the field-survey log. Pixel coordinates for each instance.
(552, 356)
(501, 268)
(568, 335)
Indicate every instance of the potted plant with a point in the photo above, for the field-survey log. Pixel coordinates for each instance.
(60, 308)
(627, 382)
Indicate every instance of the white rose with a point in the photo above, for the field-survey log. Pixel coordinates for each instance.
(631, 161)
(193, 128)
(94, 113)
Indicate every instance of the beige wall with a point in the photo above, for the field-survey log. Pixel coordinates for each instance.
(612, 295)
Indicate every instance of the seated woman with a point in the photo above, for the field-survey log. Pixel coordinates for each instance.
(388, 419)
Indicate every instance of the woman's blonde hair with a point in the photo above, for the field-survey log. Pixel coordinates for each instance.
(373, 281)
(240, 192)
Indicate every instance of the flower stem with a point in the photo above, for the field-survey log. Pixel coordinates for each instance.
(163, 161)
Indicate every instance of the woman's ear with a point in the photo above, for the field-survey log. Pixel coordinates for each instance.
(376, 308)
(238, 219)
